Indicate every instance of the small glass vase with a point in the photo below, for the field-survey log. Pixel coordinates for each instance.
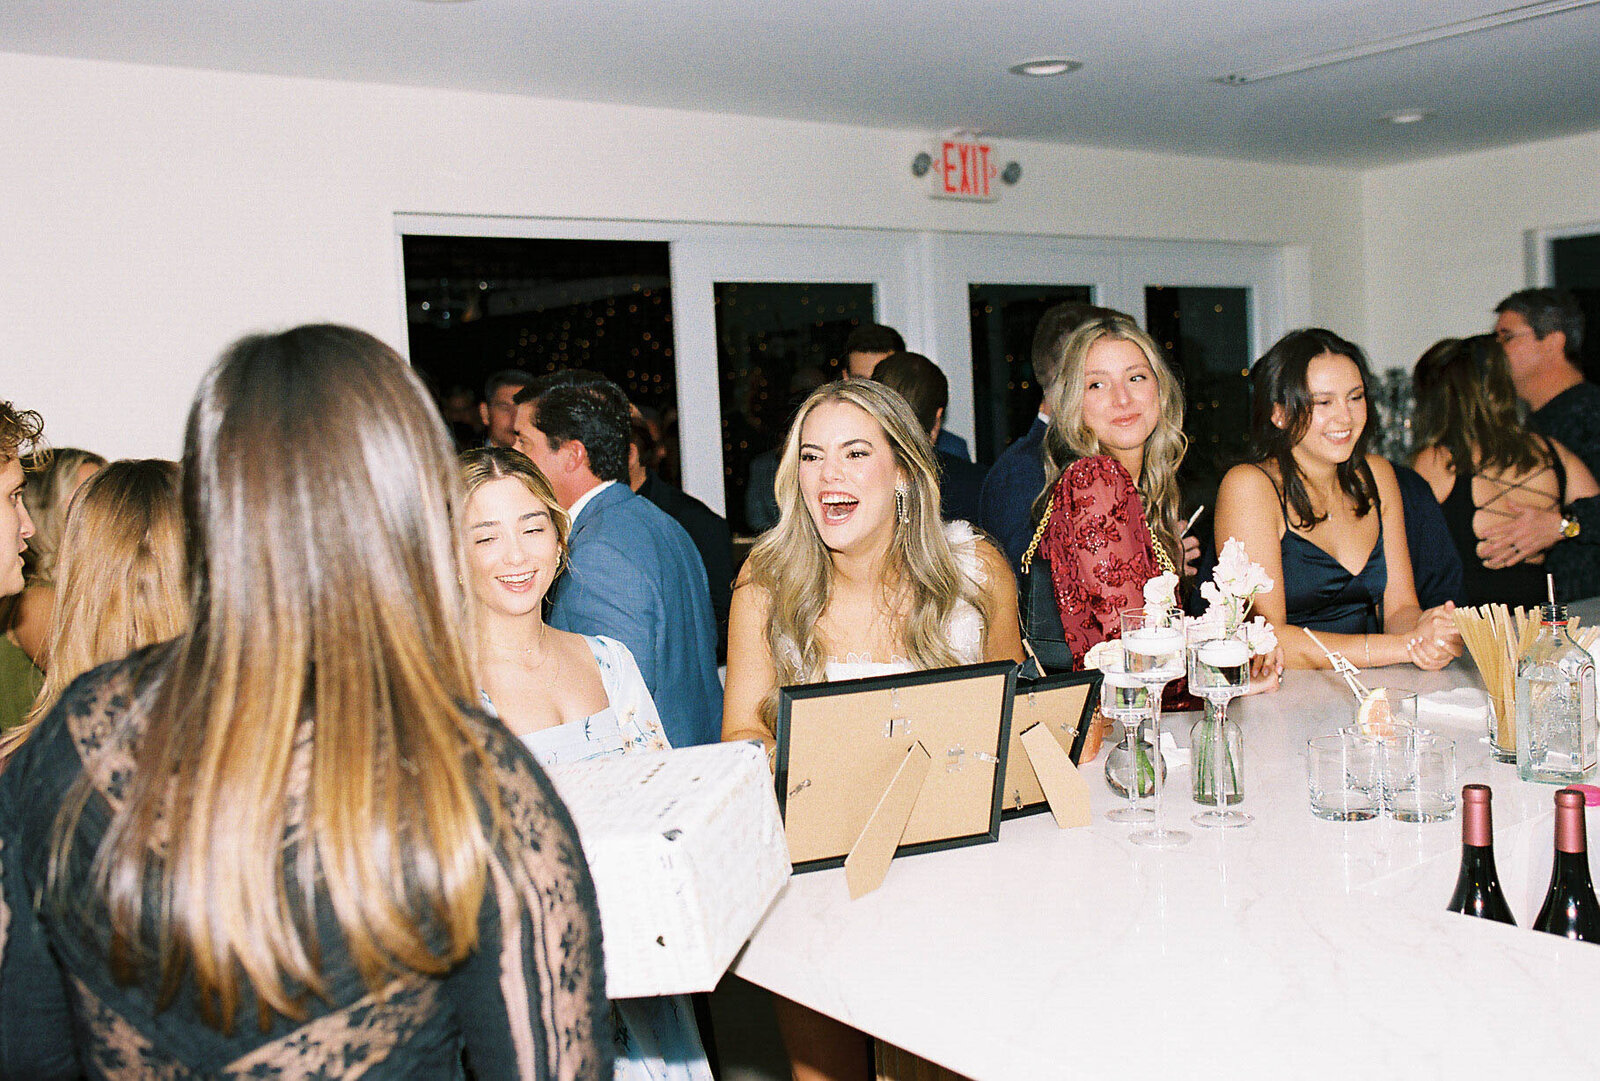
(1202, 752)
(1119, 776)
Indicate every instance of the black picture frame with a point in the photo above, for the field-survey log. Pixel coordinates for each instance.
(1020, 688)
(788, 696)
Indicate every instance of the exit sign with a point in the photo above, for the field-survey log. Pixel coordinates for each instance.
(964, 169)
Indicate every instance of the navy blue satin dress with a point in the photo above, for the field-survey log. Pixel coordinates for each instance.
(1322, 595)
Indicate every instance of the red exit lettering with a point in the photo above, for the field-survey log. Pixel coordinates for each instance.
(965, 170)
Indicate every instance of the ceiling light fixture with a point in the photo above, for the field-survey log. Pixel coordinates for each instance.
(1042, 67)
(1443, 32)
(1406, 116)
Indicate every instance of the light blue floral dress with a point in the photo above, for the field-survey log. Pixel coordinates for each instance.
(657, 1038)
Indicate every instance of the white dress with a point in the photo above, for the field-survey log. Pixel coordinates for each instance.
(628, 723)
(964, 627)
(656, 1038)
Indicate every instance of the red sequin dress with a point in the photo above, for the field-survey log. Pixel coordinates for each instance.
(1099, 549)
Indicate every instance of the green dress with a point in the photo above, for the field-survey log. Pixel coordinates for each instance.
(19, 683)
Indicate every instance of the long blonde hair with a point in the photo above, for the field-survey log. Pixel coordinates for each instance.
(794, 567)
(47, 495)
(119, 579)
(1068, 438)
(315, 713)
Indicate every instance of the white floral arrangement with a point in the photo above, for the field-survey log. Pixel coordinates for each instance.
(1229, 595)
(1161, 592)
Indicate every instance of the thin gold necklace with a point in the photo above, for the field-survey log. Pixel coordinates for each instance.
(540, 648)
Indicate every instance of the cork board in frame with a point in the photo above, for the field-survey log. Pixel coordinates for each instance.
(1065, 705)
(835, 760)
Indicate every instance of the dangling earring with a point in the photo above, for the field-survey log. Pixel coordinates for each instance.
(900, 510)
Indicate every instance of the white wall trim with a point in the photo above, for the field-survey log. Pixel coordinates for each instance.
(1541, 267)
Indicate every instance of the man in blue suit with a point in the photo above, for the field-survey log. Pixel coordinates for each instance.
(633, 573)
(1005, 505)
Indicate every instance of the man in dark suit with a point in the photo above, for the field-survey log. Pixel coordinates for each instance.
(707, 528)
(633, 573)
(866, 348)
(498, 410)
(926, 389)
(1005, 504)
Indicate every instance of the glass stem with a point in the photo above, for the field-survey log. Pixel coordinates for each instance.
(1131, 731)
(1155, 750)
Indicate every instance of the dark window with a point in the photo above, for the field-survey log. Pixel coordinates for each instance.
(776, 342)
(1205, 332)
(1005, 393)
(1575, 261)
(478, 304)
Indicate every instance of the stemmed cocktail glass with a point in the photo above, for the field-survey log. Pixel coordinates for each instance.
(1153, 651)
(1125, 699)
(1219, 671)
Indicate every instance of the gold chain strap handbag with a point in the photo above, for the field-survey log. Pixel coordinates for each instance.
(1041, 618)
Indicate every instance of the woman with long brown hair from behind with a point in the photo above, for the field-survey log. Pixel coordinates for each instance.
(284, 842)
(1483, 463)
(118, 578)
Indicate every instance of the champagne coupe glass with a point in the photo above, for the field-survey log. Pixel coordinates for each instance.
(1126, 700)
(1153, 649)
(1219, 671)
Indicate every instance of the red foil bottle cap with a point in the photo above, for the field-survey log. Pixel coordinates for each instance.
(1570, 830)
(1476, 829)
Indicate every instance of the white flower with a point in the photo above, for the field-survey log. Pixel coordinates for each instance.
(1211, 625)
(1236, 575)
(1258, 635)
(1213, 596)
(1100, 652)
(1161, 591)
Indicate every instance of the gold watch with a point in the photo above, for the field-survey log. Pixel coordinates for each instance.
(1569, 527)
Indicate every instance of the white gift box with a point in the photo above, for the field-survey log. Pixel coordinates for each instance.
(687, 851)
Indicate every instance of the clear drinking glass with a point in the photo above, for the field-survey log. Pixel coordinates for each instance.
(1219, 671)
(1126, 700)
(1342, 773)
(1419, 783)
(1153, 652)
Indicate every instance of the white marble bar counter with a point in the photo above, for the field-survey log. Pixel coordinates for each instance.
(1293, 947)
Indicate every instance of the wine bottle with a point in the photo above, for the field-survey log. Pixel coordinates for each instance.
(1570, 908)
(1478, 890)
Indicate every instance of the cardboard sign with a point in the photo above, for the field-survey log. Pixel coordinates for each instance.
(842, 745)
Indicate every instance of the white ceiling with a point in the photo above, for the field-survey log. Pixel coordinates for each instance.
(1147, 81)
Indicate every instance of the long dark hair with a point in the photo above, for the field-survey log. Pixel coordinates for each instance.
(1279, 379)
(1466, 404)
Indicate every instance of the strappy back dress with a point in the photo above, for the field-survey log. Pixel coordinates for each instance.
(1520, 583)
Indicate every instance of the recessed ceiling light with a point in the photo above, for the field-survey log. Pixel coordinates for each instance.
(1042, 67)
(1406, 116)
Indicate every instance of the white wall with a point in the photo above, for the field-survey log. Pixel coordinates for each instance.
(148, 216)
(1446, 238)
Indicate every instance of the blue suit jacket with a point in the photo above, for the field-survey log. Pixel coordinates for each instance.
(1005, 505)
(635, 576)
